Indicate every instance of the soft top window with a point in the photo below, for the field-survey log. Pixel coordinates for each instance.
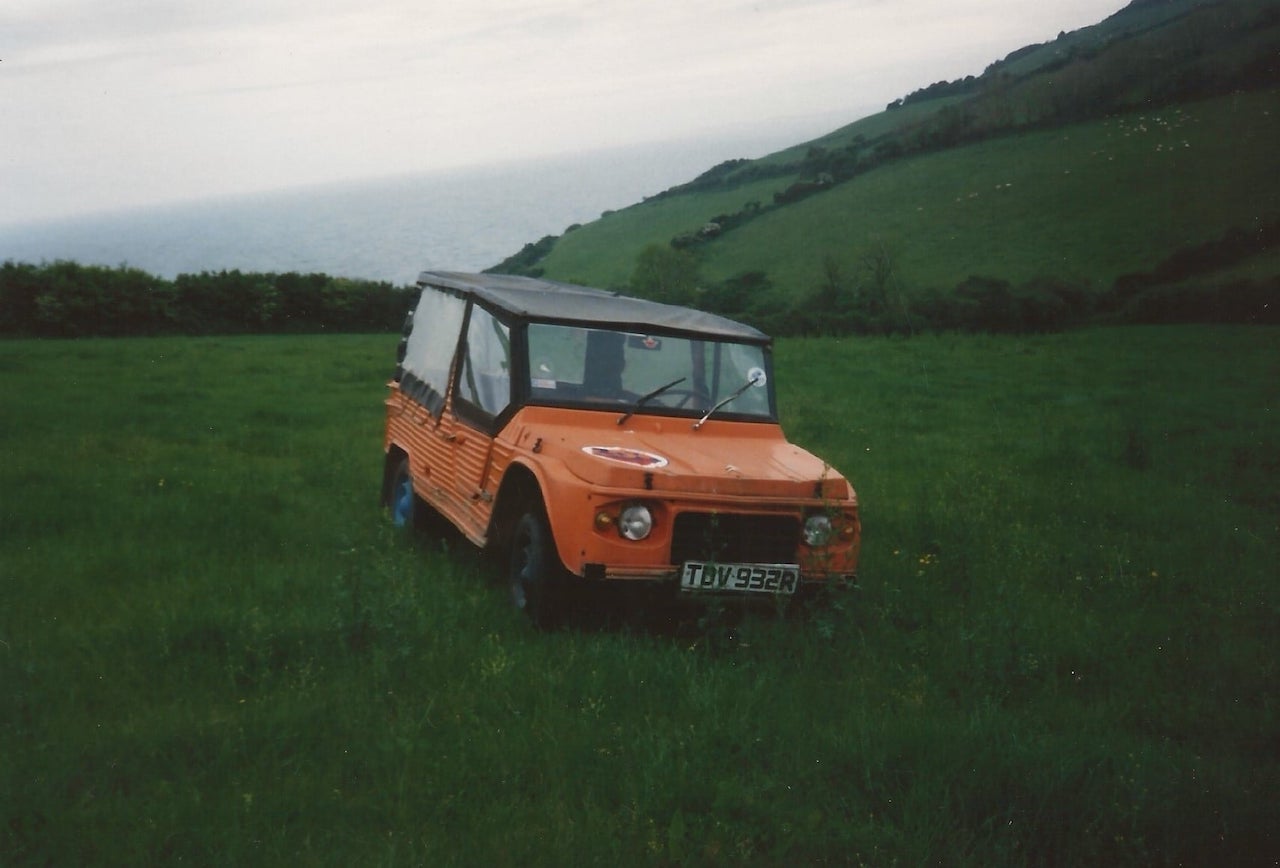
(437, 322)
(485, 381)
(598, 367)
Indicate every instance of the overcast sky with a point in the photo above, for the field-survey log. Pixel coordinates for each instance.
(116, 103)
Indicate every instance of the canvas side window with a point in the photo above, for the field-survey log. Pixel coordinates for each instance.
(486, 367)
(437, 321)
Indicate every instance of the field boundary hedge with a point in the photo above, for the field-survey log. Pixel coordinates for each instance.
(67, 299)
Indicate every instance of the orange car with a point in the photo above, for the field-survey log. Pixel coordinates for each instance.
(598, 438)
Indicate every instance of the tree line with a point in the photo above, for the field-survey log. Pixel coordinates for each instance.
(1193, 284)
(67, 299)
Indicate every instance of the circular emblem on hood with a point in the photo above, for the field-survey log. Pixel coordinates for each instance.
(623, 455)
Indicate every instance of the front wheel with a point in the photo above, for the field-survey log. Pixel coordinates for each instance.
(536, 578)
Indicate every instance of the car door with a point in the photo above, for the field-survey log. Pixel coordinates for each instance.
(425, 428)
(482, 395)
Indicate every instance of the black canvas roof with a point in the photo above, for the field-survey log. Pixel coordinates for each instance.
(551, 301)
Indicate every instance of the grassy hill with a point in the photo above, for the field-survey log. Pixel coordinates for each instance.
(1098, 155)
(1094, 200)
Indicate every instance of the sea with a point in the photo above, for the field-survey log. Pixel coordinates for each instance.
(381, 229)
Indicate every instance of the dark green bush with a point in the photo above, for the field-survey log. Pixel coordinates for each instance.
(66, 299)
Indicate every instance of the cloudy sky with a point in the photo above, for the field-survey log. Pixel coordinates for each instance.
(114, 104)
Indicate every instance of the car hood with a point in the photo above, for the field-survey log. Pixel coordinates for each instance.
(663, 453)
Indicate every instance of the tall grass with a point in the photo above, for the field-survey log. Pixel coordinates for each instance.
(214, 649)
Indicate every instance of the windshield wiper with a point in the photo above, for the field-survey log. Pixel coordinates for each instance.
(751, 381)
(647, 398)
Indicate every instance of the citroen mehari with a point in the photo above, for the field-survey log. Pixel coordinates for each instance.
(598, 439)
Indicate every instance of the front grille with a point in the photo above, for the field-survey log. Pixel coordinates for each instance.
(735, 539)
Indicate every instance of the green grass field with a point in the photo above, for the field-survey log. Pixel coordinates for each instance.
(1063, 649)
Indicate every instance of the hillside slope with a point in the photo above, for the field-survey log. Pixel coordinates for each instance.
(1091, 201)
(1098, 155)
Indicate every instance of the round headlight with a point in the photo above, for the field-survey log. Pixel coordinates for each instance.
(818, 529)
(636, 522)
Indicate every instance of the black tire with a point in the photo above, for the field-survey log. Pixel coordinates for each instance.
(400, 499)
(535, 575)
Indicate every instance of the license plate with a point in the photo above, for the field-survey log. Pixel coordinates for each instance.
(739, 578)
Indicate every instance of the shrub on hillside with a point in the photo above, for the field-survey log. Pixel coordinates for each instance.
(1235, 246)
(990, 304)
(665, 273)
(526, 261)
(1181, 287)
(738, 296)
(1254, 302)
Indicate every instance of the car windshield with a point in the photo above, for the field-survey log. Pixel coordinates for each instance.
(630, 372)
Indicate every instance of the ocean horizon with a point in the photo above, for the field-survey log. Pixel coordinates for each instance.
(382, 229)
